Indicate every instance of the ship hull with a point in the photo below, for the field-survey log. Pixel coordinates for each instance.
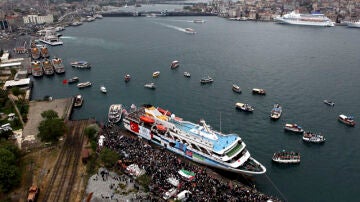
(303, 23)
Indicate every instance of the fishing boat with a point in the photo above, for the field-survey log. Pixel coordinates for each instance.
(115, 113)
(156, 74)
(58, 65)
(35, 53)
(36, 69)
(293, 127)
(127, 77)
(258, 91)
(197, 142)
(81, 64)
(312, 137)
(73, 80)
(244, 107)
(328, 102)
(236, 88)
(44, 51)
(286, 157)
(150, 85)
(78, 101)
(103, 89)
(276, 112)
(187, 74)
(84, 84)
(348, 120)
(189, 31)
(48, 67)
(175, 64)
(206, 80)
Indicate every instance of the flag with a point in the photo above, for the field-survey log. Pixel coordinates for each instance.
(187, 174)
(134, 126)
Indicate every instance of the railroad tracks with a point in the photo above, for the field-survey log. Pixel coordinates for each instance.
(60, 185)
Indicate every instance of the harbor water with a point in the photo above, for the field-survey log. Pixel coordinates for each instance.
(298, 67)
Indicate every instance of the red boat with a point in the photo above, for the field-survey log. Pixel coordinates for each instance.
(147, 119)
(164, 111)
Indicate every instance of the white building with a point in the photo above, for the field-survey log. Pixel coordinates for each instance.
(36, 19)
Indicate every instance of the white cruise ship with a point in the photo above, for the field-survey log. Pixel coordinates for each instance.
(314, 19)
(197, 142)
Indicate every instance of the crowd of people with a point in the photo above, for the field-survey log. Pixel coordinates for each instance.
(161, 164)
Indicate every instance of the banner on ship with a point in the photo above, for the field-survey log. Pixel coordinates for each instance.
(145, 133)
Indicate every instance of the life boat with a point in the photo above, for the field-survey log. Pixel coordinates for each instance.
(163, 111)
(161, 127)
(147, 119)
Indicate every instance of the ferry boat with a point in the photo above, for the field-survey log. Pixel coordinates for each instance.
(48, 67)
(276, 112)
(84, 84)
(189, 31)
(175, 64)
(58, 65)
(286, 157)
(236, 88)
(353, 24)
(78, 101)
(156, 74)
(127, 77)
(36, 69)
(206, 80)
(80, 64)
(103, 89)
(187, 74)
(51, 39)
(44, 52)
(244, 107)
(328, 102)
(35, 53)
(293, 127)
(73, 80)
(314, 19)
(312, 137)
(197, 142)
(115, 113)
(348, 120)
(150, 85)
(258, 91)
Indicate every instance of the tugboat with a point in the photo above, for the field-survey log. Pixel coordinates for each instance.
(206, 80)
(78, 101)
(286, 157)
(127, 78)
(312, 137)
(244, 107)
(328, 102)
(174, 64)
(150, 85)
(236, 88)
(258, 91)
(293, 127)
(276, 112)
(348, 120)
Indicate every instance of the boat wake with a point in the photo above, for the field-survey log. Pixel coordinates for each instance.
(67, 37)
(88, 41)
(172, 27)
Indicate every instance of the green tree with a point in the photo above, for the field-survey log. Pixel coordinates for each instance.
(50, 130)
(91, 131)
(49, 114)
(11, 147)
(16, 91)
(109, 157)
(9, 171)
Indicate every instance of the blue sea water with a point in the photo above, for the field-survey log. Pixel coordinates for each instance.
(299, 67)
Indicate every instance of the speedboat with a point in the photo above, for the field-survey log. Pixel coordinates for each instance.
(156, 74)
(115, 112)
(276, 112)
(187, 74)
(244, 107)
(103, 89)
(348, 120)
(127, 77)
(258, 91)
(206, 80)
(84, 84)
(73, 80)
(174, 64)
(80, 64)
(286, 157)
(293, 127)
(236, 88)
(312, 137)
(190, 31)
(328, 102)
(78, 101)
(150, 85)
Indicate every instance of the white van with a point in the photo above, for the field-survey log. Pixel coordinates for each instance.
(183, 196)
(170, 193)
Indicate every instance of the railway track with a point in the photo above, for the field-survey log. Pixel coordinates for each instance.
(61, 182)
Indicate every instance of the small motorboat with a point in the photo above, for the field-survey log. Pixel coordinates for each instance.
(258, 91)
(174, 64)
(73, 80)
(286, 157)
(293, 127)
(236, 88)
(103, 89)
(187, 74)
(328, 102)
(244, 107)
(84, 84)
(190, 31)
(348, 120)
(127, 77)
(80, 64)
(198, 21)
(78, 101)
(206, 80)
(150, 85)
(312, 137)
(156, 74)
(276, 112)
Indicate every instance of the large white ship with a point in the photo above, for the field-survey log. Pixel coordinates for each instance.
(314, 19)
(197, 142)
